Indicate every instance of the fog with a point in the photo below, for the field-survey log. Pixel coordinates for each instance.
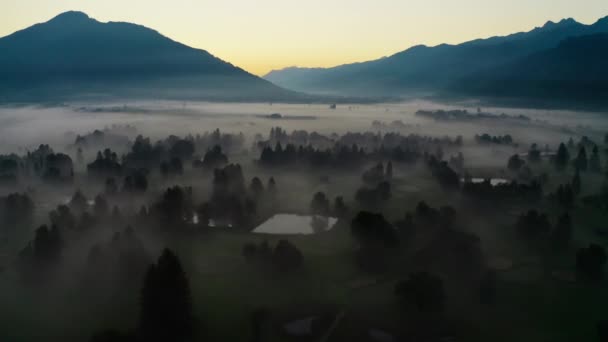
(25, 126)
(407, 199)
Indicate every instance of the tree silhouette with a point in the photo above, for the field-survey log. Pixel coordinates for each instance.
(424, 290)
(594, 160)
(320, 204)
(580, 163)
(562, 157)
(166, 305)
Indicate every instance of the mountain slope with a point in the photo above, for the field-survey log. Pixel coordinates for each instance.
(426, 69)
(574, 72)
(72, 56)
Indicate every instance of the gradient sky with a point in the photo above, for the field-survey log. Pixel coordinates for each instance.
(261, 35)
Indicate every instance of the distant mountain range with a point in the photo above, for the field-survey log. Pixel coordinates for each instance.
(564, 61)
(73, 56)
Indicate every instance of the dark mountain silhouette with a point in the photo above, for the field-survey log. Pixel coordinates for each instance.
(72, 56)
(423, 69)
(573, 73)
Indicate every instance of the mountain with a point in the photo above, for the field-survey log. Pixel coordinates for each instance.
(573, 73)
(423, 70)
(73, 56)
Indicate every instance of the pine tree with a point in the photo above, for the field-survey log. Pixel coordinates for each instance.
(166, 306)
(594, 160)
(580, 163)
(562, 157)
(389, 170)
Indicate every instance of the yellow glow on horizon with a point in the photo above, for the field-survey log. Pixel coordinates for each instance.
(263, 35)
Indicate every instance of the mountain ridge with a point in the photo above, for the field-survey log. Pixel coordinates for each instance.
(428, 68)
(72, 55)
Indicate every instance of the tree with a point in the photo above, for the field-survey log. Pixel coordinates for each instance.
(389, 170)
(111, 188)
(534, 154)
(320, 204)
(423, 290)
(533, 224)
(272, 186)
(136, 182)
(101, 207)
(256, 187)
(515, 163)
(215, 158)
(580, 163)
(286, 256)
(166, 305)
(340, 208)
(562, 157)
(183, 149)
(594, 160)
(373, 229)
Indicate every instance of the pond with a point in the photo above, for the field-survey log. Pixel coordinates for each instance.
(292, 224)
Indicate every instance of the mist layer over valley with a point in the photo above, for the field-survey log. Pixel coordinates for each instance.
(153, 192)
(486, 206)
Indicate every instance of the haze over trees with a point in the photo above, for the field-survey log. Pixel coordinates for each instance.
(131, 210)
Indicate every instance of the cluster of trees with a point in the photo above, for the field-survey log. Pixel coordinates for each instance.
(42, 253)
(106, 164)
(9, 168)
(536, 225)
(378, 174)
(296, 137)
(284, 257)
(581, 162)
(117, 263)
(512, 190)
(374, 197)
(377, 239)
(446, 176)
(515, 163)
(15, 208)
(485, 138)
(227, 141)
(340, 156)
(173, 210)
(411, 142)
(166, 311)
(348, 149)
(42, 162)
(464, 115)
(232, 201)
(213, 158)
(115, 136)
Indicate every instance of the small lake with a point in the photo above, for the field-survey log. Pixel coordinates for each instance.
(292, 224)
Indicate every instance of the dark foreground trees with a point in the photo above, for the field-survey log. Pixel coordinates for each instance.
(590, 262)
(166, 305)
(424, 291)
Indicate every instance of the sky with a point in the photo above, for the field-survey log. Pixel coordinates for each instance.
(262, 35)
